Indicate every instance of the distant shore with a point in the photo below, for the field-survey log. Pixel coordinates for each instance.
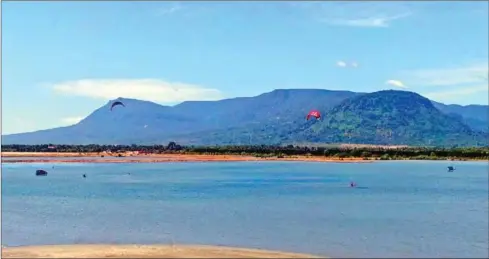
(142, 251)
(130, 157)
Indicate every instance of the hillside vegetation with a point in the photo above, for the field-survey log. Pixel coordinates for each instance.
(392, 117)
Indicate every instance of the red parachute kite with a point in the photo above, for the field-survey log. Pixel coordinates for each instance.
(314, 113)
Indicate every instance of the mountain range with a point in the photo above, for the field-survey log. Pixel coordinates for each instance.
(277, 117)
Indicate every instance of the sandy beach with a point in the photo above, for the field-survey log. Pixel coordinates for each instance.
(142, 251)
(130, 157)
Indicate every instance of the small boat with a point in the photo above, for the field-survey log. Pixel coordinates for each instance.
(41, 172)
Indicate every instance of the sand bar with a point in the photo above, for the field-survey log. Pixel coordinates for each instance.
(27, 157)
(142, 251)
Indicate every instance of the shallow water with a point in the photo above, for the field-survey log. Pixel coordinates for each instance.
(402, 209)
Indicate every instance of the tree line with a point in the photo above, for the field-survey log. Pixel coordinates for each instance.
(377, 153)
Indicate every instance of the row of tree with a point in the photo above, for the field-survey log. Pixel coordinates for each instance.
(263, 150)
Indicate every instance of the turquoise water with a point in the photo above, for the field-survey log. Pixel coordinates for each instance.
(402, 209)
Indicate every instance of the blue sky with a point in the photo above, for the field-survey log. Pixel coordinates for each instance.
(62, 60)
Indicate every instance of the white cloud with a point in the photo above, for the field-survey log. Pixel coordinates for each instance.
(396, 83)
(146, 89)
(461, 84)
(72, 120)
(17, 124)
(356, 14)
(175, 7)
(473, 74)
(342, 63)
(456, 95)
(371, 21)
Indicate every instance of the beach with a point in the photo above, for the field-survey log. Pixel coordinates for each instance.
(142, 251)
(132, 157)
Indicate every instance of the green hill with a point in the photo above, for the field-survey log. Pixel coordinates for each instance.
(390, 117)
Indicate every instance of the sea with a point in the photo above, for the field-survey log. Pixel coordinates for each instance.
(398, 209)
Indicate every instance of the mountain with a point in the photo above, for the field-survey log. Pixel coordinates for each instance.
(273, 117)
(384, 117)
(476, 116)
(281, 104)
(122, 125)
(144, 122)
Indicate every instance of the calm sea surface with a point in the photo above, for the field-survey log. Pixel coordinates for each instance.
(400, 209)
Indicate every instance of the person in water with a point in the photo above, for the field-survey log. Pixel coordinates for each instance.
(84, 176)
(353, 184)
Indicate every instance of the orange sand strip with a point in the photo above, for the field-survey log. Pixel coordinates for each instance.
(130, 157)
(142, 251)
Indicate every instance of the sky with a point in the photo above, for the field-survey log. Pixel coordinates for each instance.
(63, 60)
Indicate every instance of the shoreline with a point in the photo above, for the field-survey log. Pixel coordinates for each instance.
(133, 157)
(44, 157)
(143, 251)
